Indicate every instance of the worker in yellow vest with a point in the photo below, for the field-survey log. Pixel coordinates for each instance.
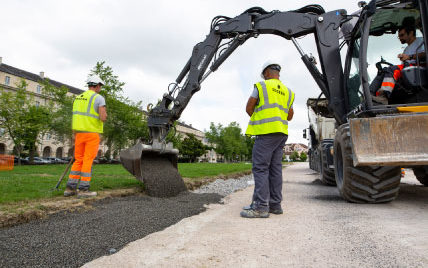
(270, 107)
(89, 115)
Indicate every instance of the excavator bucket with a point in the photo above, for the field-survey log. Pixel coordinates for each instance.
(399, 140)
(156, 166)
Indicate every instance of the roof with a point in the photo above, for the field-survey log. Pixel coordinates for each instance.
(36, 78)
(187, 126)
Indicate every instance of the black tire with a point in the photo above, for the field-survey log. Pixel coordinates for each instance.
(326, 173)
(421, 174)
(371, 184)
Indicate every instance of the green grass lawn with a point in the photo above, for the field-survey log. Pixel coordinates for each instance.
(34, 182)
(201, 170)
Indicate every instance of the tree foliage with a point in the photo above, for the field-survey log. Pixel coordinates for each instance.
(303, 156)
(61, 106)
(294, 156)
(174, 137)
(229, 141)
(125, 121)
(24, 119)
(192, 148)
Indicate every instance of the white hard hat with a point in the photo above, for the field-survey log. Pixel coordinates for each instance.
(94, 80)
(269, 63)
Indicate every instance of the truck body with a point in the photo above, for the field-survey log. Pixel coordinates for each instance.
(320, 135)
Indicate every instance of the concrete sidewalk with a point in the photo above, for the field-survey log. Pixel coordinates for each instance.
(318, 229)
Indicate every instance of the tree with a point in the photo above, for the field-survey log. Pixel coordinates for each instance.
(234, 142)
(294, 156)
(303, 156)
(214, 136)
(174, 137)
(23, 118)
(249, 143)
(229, 141)
(191, 148)
(61, 108)
(125, 117)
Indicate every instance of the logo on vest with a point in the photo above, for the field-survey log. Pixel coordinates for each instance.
(278, 91)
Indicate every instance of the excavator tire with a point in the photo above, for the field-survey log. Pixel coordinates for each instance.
(368, 184)
(421, 174)
(326, 173)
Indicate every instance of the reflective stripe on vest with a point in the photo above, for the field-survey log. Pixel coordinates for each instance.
(85, 118)
(271, 112)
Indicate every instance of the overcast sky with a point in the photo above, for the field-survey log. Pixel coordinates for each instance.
(147, 43)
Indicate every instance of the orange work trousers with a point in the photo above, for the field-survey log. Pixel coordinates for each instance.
(85, 150)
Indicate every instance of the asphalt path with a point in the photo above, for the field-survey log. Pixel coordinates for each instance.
(73, 239)
(318, 229)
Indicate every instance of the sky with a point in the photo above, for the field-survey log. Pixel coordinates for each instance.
(147, 43)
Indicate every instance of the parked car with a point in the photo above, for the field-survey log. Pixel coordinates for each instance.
(55, 160)
(114, 161)
(101, 160)
(66, 159)
(23, 160)
(37, 161)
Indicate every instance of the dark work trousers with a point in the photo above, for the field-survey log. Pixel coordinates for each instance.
(267, 171)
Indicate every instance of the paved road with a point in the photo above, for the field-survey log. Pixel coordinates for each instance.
(318, 229)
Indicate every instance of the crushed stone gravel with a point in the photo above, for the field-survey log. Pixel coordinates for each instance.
(73, 239)
(226, 187)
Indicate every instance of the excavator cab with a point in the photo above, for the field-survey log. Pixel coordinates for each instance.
(373, 48)
(378, 139)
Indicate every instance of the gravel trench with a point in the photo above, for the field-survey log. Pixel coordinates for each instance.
(72, 239)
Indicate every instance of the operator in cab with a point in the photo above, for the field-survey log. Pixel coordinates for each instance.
(270, 107)
(89, 115)
(384, 84)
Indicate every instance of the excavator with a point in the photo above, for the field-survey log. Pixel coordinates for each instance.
(372, 141)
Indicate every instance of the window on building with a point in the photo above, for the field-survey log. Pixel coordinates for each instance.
(2, 131)
(37, 103)
(39, 89)
(7, 80)
(48, 136)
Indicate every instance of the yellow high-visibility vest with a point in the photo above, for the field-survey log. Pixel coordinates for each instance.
(271, 112)
(85, 118)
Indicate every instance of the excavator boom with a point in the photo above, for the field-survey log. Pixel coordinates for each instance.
(226, 35)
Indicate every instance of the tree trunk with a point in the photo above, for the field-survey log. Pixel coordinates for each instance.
(31, 154)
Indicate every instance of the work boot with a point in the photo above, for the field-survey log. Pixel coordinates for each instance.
(69, 191)
(250, 206)
(252, 213)
(382, 99)
(276, 211)
(85, 193)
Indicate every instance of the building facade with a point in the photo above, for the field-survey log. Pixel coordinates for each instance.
(10, 77)
(183, 129)
(294, 147)
(48, 145)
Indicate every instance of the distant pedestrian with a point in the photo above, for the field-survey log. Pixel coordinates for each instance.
(270, 107)
(89, 115)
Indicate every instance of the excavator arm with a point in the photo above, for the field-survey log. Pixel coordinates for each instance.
(252, 23)
(226, 35)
